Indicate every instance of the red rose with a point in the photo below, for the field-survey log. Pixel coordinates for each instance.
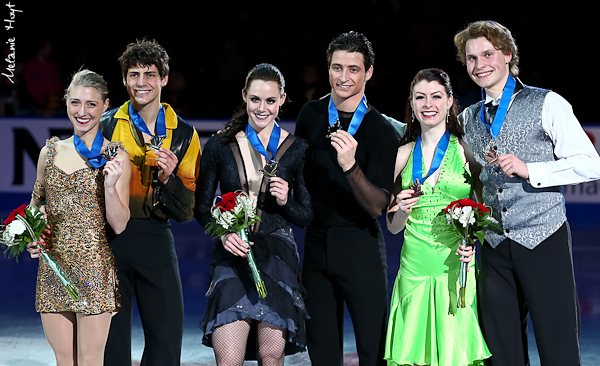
(467, 202)
(17, 211)
(227, 202)
(482, 208)
(451, 206)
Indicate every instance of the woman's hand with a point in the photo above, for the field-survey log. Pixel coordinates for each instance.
(112, 171)
(235, 245)
(405, 201)
(46, 234)
(279, 189)
(466, 252)
(35, 248)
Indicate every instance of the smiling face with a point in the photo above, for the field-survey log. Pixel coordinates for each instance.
(487, 66)
(347, 77)
(430, 103)
(144, 85)
(84, 108)
(263, 100)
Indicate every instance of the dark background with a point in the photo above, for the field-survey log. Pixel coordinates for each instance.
(212, 46)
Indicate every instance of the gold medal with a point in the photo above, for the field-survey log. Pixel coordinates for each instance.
(110, 152)
(270, 169)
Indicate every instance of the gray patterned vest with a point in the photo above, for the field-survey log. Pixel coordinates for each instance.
(525, 214)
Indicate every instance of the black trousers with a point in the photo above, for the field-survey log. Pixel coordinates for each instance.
(345, 265)
(147, 267)
(515, 281)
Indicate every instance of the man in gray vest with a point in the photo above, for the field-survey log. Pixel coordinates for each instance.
(529, 144)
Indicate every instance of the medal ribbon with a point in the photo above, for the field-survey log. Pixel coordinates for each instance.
(357, 118)
(273, 141)
(138, 121)
(507, 93)
(92, 155)
(440, 151)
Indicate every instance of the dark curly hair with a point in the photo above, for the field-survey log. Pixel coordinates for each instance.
(239, 120)
(145, 53)
(352, 42)
(413, 128)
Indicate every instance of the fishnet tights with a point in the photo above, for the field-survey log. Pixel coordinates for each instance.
(229, 343)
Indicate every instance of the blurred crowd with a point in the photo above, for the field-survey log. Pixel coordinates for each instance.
(212, 50)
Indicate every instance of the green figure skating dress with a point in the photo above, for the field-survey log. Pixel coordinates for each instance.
(425, 325)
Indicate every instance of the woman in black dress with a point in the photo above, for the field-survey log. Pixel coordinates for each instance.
(238, 324)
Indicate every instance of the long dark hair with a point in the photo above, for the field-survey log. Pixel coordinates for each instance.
(239, 120)
(413, 127)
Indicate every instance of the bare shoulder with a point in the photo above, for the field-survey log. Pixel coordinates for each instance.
(402, 156)
(465, 151)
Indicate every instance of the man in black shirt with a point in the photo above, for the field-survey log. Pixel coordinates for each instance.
(349, 172)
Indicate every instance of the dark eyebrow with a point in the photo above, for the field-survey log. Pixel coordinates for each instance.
(340, 65)
(256, 96)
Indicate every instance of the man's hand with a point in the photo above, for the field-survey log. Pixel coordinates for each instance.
(345, 145)
(167, 161)
(513, 166)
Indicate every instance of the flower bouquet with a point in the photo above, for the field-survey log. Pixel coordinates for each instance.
(466, 219)
(234, 213)
(24, 225)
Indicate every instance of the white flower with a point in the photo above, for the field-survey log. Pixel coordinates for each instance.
(215, 212)
(16, 227)
(466, 210)
(245, 203)
(226, 219)
(456, 213)
(467, 216)
(238, 208)
(8, 238)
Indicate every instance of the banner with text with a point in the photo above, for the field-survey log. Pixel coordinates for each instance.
(22, 138)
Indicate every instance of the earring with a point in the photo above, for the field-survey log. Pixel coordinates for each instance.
(448, 116)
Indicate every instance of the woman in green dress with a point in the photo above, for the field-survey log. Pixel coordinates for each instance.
(433, 167)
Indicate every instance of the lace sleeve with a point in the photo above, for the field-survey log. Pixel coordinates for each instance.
(299, 209)
(371, 198)
(38, 195)
(208, 181)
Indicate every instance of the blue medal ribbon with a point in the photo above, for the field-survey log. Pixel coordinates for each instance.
(507, 93)
(273, 141)
(92, 155)
(357, 118)
(138, 121)
(417, 172)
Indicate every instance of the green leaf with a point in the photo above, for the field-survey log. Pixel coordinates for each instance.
(480, 236)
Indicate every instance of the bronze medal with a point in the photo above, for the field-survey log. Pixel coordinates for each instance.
(416, 187)
(333, 128)
(491, 157)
